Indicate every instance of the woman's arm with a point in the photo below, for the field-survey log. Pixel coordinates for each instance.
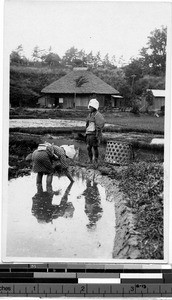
(69, 175)
(64, 165)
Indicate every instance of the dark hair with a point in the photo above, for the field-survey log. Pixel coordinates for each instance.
(93, 108)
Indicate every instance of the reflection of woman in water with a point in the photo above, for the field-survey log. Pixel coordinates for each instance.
(45, 211)
(93, 207)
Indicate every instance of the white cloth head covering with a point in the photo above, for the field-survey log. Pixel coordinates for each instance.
(44, 146)
(94, 103)
(70, 150)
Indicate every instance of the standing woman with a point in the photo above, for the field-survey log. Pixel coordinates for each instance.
(94, 125)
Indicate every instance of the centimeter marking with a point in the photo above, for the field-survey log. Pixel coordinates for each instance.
(53, 280)
(101, 290)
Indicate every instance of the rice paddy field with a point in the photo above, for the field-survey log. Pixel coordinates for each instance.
(140, 183)
(142, 122)
(125, 120)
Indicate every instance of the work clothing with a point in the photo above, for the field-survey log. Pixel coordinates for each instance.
(43, 157)
(94, 125)
(42, 161)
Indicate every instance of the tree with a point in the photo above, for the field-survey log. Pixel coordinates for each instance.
(133, 68)
(21, 93)
(121, 61)
(52, 59)
(113, 61)
(154, 56)
(149, 99)
(116, 78)
(90, 59)
(106, 61)
(81, 55)
(149, 82)
(37, 54)
(70, 56)
(97, 60)
(17, 56)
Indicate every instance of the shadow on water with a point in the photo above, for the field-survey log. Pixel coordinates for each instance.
(65, 220)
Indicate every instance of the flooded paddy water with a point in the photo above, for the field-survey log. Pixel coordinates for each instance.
(44, 123)
(70, 221)
(90, 219)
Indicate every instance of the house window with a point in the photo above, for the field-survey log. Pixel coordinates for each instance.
(60, 100)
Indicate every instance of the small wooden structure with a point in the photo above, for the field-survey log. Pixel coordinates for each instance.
(117, 101)
(158, 101)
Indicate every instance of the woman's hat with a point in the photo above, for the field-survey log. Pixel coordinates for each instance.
(94, 103)
(69, 150)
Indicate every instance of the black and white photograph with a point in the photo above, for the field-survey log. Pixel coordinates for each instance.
(86, 118)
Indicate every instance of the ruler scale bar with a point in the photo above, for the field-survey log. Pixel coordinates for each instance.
(85, 289)
(73, 280)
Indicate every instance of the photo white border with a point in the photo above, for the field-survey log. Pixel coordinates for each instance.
(167, 163)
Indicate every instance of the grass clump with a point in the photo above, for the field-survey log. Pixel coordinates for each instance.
(142, 185)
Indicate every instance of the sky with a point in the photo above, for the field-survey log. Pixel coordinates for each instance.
(117, 28)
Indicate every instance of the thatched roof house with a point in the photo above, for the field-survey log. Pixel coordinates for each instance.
(75, 89)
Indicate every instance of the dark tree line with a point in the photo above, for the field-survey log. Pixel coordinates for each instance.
(131, 80)
(72, 58)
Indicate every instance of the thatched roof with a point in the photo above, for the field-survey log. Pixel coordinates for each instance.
(79, 82)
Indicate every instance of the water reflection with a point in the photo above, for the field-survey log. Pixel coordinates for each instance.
(93, 208)
(60, 222)
(45, 211)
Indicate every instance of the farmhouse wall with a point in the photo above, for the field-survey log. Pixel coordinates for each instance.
(158, 102)
(46, 101)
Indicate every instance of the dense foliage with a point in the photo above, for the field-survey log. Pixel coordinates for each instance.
(28, 77)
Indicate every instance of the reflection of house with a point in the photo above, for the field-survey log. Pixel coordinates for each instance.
(117, 101)
(158, 101)
(75, 89)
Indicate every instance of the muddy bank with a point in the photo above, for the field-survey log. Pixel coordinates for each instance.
(136, 140)
(21, 144)
(137, 191)
(126, 243)
(142, 185)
